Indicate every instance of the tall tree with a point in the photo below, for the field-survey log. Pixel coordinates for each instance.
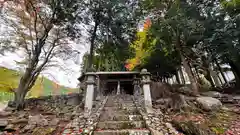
(113, 23)
(40, 29)
(177, 31)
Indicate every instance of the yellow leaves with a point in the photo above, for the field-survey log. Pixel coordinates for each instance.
(142, 48)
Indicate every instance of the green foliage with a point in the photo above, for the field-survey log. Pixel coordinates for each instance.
(116, 24)
(231, 6)
(203, 32)
(166, 29)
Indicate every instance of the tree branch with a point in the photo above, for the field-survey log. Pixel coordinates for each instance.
(40, 67)
(35, 23)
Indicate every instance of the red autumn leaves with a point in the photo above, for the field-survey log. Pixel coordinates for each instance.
(147, 24)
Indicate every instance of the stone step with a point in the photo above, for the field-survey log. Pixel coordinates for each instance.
(107, 108)
(119, 104)
(116, 117)
(113, 103)
(120, 124)
(124, 101)
(123, 132)
(114, 110)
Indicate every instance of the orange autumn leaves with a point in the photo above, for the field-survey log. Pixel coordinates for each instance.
(147, 24)
(137, 46)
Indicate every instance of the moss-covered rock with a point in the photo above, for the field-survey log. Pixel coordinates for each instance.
(190, 128)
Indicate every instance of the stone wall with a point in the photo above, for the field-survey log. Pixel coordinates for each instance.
(56, 100)
(160, 90)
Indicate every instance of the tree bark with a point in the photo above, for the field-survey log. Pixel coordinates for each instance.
(236, 72)
(192, 72)
(189, 73)
(182, 76)
(90, 58)
(220, 80)
(209, 78)
(177, 78)
(206, 66)
(186, 66)
(197, 75)
(222, 73)
(26, 83)
(214, 76)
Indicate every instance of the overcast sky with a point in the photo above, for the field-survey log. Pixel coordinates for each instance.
(66, 74)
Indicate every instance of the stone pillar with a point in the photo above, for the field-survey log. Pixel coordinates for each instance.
(146, 90)
(118, 88)
(99, 93)
(89, 93)
(136, 87)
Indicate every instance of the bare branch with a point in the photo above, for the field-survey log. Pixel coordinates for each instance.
(40, 67)
(45, 52)
(44, 25)
(35, 24)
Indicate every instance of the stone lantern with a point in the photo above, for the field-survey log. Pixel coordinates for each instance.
(145, 76)
(90, 82)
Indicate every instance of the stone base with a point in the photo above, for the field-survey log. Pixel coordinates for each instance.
(122, 132)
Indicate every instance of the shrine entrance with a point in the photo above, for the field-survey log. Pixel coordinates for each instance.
(116, 82)
(127, 87)
(111, 88)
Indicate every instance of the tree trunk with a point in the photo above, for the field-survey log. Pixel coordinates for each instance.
(182, 76)
(220, 80)
(189, 73)
(90, 58)
(186, 66)
(192, 72)
(25, 84)
(177, 78)
(222, 73)
(209, 78)
(235, 71)
(198, 77)
(214, 76)
(207, 66)
(20, 96)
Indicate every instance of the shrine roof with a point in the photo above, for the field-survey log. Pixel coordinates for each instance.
(110, 73)
(117, 72)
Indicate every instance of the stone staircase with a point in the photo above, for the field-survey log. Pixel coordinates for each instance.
(121, 117)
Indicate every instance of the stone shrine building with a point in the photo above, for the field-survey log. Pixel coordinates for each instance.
(97, 84)
(107, 83)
